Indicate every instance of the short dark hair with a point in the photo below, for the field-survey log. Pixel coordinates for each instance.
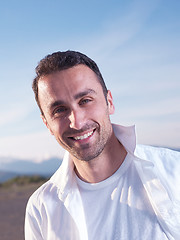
(63, 60)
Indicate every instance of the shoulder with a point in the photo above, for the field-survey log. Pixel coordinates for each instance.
(166, 162)
(46, 196)
(158, 155)
(40, 194)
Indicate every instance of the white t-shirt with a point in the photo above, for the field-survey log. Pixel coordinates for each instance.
(118, 207)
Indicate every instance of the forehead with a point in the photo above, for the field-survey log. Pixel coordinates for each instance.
(68, 82)
(79, 75)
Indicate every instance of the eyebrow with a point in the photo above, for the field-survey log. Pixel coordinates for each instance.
(84, 93)
(55, 104)
(77, 96)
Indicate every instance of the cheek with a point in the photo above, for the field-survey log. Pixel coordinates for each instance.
(100, 114)
(56, 128)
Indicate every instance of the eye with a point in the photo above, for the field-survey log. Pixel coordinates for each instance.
(84, 101)
(59, 110)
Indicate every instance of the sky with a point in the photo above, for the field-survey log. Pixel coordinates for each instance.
(136, 45)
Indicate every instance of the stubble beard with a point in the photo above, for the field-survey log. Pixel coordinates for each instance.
(88, 152)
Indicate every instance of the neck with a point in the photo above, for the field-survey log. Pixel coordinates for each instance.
(104, 165)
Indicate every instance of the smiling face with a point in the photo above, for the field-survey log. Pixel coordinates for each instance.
(76, 111)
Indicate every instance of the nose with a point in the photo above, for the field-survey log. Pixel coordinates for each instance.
(76, 119)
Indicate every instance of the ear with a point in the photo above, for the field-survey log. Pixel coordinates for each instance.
(46, 123)
(110, 102)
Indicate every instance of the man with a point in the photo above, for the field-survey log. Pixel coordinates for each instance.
(107, 187)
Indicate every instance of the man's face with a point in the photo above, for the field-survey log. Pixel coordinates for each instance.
(76, 112)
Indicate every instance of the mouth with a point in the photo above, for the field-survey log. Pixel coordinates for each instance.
(83, 136)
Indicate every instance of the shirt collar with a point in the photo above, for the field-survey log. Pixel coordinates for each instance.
(64, 178)
(126, 136)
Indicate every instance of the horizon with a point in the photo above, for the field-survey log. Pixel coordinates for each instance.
(134, 43)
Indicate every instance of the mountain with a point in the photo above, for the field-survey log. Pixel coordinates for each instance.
(5, 176)
(10, 168)
(19, 167)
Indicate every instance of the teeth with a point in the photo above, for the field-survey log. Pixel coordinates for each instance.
(83, 136)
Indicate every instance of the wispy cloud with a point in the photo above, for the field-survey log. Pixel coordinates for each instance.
(13, 113)
(35, 146)
(155, 110)
(159, 133)
(119, 30)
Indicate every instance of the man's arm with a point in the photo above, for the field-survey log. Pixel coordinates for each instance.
(32, 223)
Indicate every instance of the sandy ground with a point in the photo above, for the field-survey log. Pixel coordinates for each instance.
(13, 202)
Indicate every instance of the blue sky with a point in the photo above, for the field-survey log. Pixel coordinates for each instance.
(135, 43)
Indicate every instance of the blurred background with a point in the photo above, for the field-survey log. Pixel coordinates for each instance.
(136, 44)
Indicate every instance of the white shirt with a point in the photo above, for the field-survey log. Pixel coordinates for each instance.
(55, 211)
(118, 207)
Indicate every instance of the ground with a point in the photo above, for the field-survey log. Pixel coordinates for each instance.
(13, 200)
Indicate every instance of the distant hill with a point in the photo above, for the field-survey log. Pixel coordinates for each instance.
(5, 176)
(14, 167)
(20, 181)
(19, 167)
